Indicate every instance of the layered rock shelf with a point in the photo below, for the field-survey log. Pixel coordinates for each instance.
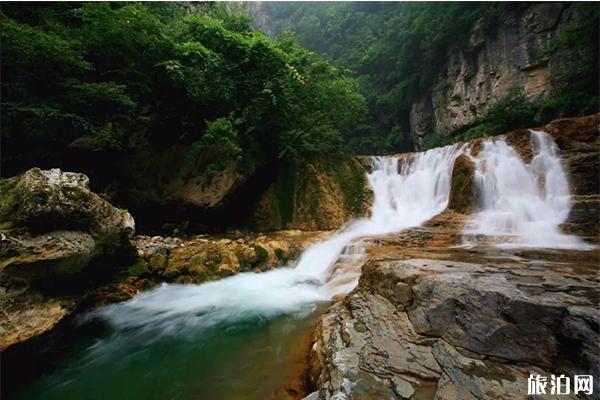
(446, 329)
(432, 319)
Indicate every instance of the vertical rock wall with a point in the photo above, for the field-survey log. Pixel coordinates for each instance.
(491, 63)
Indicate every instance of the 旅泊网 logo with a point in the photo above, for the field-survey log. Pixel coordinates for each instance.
(561, 384)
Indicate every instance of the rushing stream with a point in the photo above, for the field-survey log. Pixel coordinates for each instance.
(522, 204)
(235, 338)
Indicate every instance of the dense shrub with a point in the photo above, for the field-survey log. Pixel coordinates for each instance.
(186, 74)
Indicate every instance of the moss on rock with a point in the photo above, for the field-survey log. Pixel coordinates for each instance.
(318, 194)
(203, 258)
(53, 225)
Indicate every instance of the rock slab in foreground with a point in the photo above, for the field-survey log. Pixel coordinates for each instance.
(446, 329)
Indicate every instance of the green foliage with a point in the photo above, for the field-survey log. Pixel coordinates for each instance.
(514, 111)
(511, 112)
(197, 75)
(261, 255)
(569, 102)
(395, 49)
(140, 268)
(219, 143)
(432, 140)
(186, 74)
(285, 195)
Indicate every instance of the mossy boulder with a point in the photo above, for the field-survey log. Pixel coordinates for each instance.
(52, 224)
(318, 194)
(203, 257)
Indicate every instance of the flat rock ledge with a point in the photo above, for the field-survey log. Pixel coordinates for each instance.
(431, 329)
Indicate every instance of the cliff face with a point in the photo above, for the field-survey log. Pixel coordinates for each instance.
(492, 62)
(166, 191)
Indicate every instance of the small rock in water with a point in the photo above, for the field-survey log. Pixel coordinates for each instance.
(309, 281)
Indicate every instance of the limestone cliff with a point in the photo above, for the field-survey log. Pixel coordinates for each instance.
(484, 69)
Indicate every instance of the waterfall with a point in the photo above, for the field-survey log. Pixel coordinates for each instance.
(521, 205)
(407, 191)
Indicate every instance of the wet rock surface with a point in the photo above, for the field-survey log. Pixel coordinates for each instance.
(64, 248)
(317, 194)
(29, 312)
(428, 319)
(436, 328)
(578, 140)
(55, 236)
(462, 194)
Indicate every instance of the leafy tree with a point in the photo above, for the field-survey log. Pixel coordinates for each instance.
(184, 74)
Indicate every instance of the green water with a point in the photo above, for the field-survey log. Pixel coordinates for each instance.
(251, 359)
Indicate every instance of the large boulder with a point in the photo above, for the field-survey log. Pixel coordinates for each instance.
(169, 177)
(52, 225)
(318, 194)
(462, 191)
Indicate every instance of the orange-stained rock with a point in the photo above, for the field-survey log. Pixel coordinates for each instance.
(462, 191)
(322, 193)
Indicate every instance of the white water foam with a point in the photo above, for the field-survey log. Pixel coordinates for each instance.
(522, 205)
(407, 191)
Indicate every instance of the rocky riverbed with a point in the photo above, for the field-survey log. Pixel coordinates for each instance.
(459, 323)
(64, 248)
(434, 319)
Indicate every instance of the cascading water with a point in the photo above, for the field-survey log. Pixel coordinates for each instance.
(407, 191)
(167, 340)
(522, 205)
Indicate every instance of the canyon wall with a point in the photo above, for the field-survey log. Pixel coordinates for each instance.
(495, 59)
